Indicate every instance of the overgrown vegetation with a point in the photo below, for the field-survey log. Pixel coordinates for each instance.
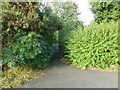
(69, 13)
(14, 77)
(27, 49)
(29, 32)
(106, 11)
(94, 46)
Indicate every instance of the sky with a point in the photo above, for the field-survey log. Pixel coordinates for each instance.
(86, 14)
(84, 7)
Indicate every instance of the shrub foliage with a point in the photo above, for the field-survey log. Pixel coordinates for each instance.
(95, 46)
(28, 30)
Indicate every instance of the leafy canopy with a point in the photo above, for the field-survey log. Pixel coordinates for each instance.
(105, 11)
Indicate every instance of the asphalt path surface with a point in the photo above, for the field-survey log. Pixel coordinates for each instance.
(60, 75)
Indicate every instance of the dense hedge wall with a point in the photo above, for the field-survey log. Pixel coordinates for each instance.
(94, 46)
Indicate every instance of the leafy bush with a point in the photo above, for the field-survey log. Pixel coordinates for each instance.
(66, 32)
(15, 18)
(28, 33)
(27, 49)
(95, 46)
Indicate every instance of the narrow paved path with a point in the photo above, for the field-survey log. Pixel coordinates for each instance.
(64, 76)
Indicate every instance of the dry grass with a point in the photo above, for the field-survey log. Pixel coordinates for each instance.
(112, 68)
(17, 76)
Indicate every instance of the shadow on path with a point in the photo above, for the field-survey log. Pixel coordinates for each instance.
(56, 58)
(60, 75)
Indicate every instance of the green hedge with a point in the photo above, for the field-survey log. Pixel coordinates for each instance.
(27, 49)
(66, 32)
(28, 31)
(95, 46)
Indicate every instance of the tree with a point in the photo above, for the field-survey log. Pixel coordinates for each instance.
(105, 11)
(68, 12)
(27, 17)
(28, 33)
